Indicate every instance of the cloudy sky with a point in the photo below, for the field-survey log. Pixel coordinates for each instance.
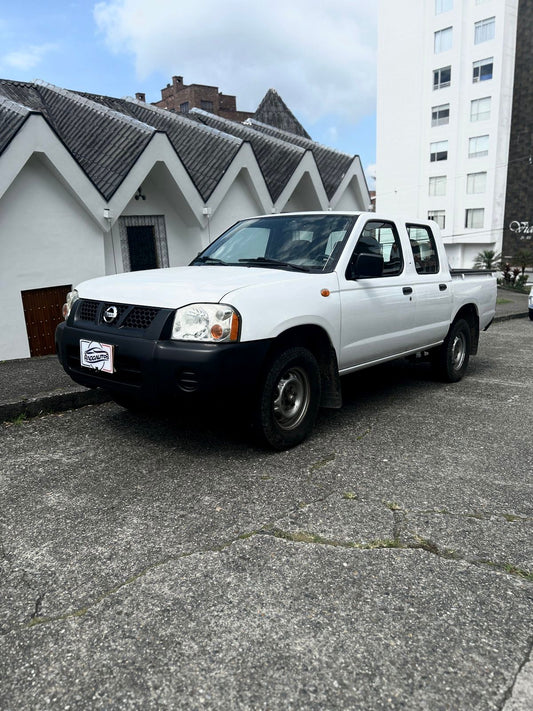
(318, 54)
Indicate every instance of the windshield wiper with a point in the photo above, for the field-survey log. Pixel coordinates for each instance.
(266, 262)
(208, 260)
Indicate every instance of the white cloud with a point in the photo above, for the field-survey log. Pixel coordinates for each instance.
(27, 57)
(318, 54)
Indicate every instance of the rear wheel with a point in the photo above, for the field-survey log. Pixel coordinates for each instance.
(289, 399)
(450, 360)
(531, 314)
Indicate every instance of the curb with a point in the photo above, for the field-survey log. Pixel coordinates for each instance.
(46, 404)
(510, 317)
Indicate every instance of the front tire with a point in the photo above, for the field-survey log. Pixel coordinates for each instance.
(450, 360)
(289, 399)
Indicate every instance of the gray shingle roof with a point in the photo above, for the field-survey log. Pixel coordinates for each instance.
(106, 136)
(206, 154)
(277, 159)
(104, 144)
(332, 165)
(274, 111)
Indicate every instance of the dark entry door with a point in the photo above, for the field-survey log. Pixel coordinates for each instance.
(141, 245)
(42, 311)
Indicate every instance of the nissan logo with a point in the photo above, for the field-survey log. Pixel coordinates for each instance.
(110, 314)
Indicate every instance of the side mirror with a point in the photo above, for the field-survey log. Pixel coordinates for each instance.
(365, 266)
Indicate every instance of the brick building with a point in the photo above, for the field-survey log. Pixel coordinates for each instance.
(181, 98)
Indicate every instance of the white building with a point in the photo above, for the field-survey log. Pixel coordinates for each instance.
(445, 90)
(93, 185)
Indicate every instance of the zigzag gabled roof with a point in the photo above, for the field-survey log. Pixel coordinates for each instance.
(277, 159)
(332, 165)
(106, 136)
(205, 153)
(103, 143)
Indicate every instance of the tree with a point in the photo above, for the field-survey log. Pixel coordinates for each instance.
(524, 258)
(487, 259)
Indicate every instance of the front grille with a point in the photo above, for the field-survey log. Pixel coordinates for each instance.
(140, 317)
(128, 316)
(88, 310)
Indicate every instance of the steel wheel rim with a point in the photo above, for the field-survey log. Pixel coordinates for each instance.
(291, 398)
(458, 351)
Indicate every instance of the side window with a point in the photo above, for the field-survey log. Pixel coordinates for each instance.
(424, 249)
(381, 238)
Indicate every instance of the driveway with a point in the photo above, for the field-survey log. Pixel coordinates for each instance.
(384, 564)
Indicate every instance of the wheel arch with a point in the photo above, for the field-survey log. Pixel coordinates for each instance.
(317, 341)
(470, 314)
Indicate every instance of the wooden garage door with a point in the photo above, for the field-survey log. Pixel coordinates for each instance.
(42, 311)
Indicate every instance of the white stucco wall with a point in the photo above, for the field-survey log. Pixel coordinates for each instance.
(46, 239)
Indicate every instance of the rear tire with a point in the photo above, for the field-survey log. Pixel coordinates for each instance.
(450, 360)
(531, 314)
(288, 400)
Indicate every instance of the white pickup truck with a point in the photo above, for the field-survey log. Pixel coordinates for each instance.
(273, 312)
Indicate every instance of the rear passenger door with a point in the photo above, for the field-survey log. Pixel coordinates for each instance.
(432, 285)
(377, 312)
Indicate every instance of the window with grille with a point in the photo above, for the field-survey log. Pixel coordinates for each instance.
(438, 151)
(482, 69)
(442, 77)
(440, 115)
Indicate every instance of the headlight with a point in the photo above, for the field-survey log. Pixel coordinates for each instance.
(72, 296)
(215, 323)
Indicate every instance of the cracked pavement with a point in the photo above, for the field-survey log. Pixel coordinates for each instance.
(385, 564)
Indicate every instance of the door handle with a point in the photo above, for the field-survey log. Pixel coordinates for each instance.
(407, 290)
(443, 287)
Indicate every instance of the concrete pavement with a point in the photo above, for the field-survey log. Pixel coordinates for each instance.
(386, 563)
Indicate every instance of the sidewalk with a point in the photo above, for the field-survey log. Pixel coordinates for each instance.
(33, 386)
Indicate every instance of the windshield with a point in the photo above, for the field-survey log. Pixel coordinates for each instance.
(298, 242)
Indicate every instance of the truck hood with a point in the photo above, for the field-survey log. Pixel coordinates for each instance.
(178, 286)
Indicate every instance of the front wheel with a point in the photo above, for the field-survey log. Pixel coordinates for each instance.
(289, 399)
(450, 360)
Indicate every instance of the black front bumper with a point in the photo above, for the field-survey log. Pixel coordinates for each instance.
(157, 370)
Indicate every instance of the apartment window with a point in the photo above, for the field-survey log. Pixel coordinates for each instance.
(438, 151)
(476, 183)
(206, 105)
(484, 30)
(443, 40)
(437, 185)
(438, 216)
(480, 109)
(443, 6)
(478, 146)
(440, 115)
(482, 69)
(442, 77)
(184, 108)
(474, 218)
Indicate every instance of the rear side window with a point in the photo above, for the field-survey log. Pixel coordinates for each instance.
(424, 249)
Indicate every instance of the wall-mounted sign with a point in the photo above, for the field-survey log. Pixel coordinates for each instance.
(524, 229)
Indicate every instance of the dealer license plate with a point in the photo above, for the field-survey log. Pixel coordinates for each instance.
(96, 355)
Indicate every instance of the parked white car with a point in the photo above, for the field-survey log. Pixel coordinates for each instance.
(530, 303)
(273, 312)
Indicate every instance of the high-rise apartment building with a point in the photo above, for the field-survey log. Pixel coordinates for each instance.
(445, 100)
